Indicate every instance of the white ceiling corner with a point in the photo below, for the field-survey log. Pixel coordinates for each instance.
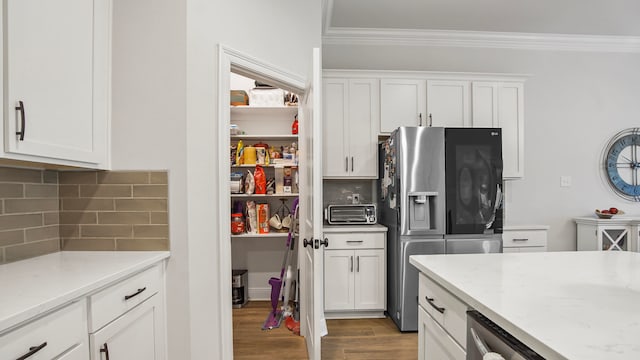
(579, 27)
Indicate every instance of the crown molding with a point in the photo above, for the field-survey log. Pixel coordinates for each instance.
(481, 39)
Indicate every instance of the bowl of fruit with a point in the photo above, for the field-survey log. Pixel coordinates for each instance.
(608, 213)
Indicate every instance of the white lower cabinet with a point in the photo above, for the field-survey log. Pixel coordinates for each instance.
(135, 335)
(442, 323)
(127, 319)
(433, 341)
(61, 334)
(355, 275)
(124, 321)
(526, 238)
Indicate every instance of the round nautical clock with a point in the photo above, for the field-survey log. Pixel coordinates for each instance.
(621, 160)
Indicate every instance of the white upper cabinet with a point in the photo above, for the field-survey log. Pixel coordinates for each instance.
(57, 81)
(403, 102)
(501, 105)
(448, 103)
(351, 113)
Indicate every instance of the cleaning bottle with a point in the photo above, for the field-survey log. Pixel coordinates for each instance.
(294, 126)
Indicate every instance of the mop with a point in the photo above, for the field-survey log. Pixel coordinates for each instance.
(277, 284)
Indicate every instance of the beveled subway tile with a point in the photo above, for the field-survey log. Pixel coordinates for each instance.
(42, 233)
(29, 205)
(69, 231)
(87, 204)
(50, 177)
(20, 221)
(78, 177)
(51, 218)
(78, 217)
(106, 231)
(123, 217)
(159, 217)
(11, 190)
(150, 191)
(123, 177)
(141, 204)
(11, 237)
(41, 190)
(92, 244)
(105, 191)
(158, 177)
(150, 231)
(124, 244)
(20, 175)
(69, 191)
(32, 249)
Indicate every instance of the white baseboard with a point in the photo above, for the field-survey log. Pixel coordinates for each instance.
(260, 293)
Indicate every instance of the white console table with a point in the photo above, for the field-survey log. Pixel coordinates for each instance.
(619, 233)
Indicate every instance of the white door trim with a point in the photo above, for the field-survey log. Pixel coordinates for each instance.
(228, 60)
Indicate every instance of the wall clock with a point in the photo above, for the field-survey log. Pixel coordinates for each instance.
(621, 161)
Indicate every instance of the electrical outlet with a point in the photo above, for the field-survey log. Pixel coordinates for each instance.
(355, 198)
(565, 181)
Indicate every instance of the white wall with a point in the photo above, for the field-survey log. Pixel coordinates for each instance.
(574, 102)
(165, 117)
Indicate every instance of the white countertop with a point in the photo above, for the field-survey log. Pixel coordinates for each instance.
(32, 287)
(565, 305)
(354, 228)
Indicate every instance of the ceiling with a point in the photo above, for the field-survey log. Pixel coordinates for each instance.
(571, 17)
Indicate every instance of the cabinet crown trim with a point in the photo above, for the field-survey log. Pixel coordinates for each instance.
(422, 75)
(482, 39)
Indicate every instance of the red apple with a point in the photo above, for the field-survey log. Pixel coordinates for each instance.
(605, 211)
(613, 210)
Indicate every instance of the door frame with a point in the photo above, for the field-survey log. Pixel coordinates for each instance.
(230, 60)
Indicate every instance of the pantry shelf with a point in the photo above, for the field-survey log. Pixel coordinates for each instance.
(269, 235)
(264, 195)
(265, 137)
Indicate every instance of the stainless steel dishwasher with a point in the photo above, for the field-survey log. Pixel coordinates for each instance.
(486, 340)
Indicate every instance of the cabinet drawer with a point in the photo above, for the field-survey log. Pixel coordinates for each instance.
(356, 241)
(55, 333)
(434, 342)
(446, 309)
(522, 238)
(117, 299)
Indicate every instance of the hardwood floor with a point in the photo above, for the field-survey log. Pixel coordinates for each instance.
(370, 339)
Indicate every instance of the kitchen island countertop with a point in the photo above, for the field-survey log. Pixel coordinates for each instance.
(564, 305)
(32, 287)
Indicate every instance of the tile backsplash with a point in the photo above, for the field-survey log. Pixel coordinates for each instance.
(44, 211)
(124, 210)
(28, 213)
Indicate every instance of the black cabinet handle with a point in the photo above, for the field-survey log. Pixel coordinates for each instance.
(430, 301)
(325, 242)
(105, 350)
(346, 164)
(352, 164)
(306, 242)
(20, 108)
(33, 349)
(420, 116)
(127, 297)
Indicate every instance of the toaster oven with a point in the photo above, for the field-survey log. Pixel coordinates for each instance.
(351, 214)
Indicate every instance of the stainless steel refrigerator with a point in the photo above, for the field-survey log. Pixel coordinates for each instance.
(440, 193)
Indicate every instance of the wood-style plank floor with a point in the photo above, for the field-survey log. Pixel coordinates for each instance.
(370, 339)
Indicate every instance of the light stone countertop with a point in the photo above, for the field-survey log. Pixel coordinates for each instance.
(354, 228)
(32, 287)
(564, 305)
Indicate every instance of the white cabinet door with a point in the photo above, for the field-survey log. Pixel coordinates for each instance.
(335, 141)
(351, 114)
(511, 121)
(448, 103)
(362, 132)
(57, 79)
(500, 104)
(402, 103)
(138, 334)
(369, 278)
(433, 341)
(338, 280)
